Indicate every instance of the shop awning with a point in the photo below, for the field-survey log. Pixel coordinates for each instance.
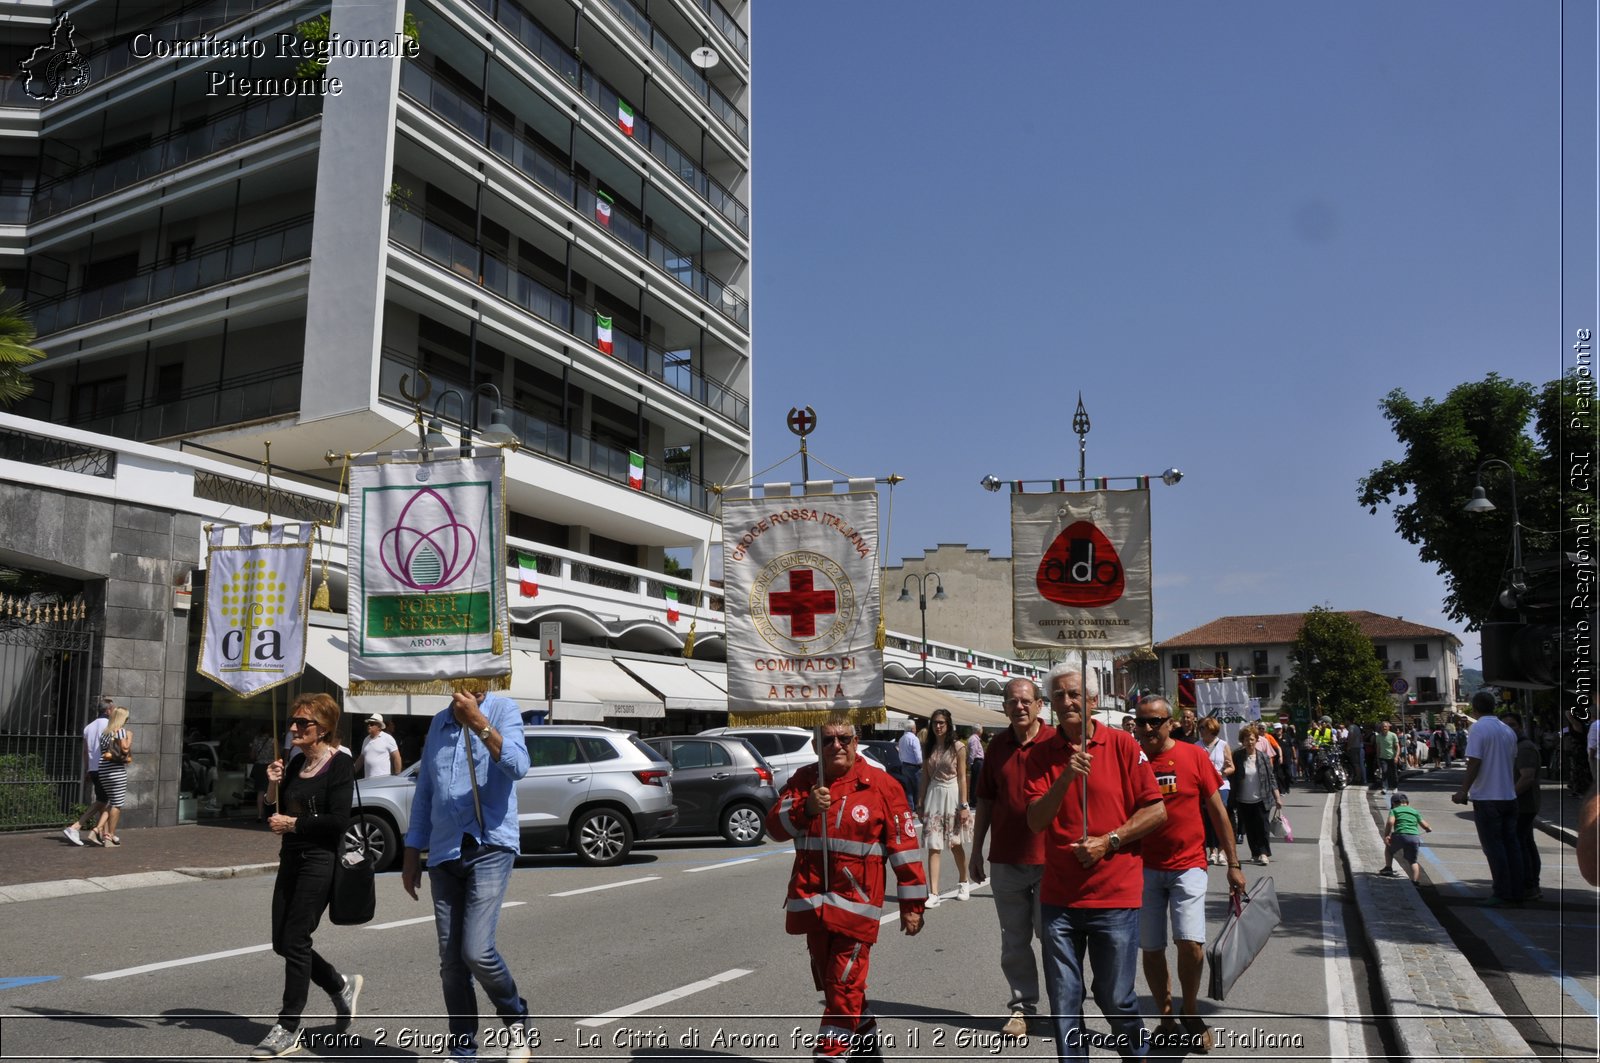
(328, 651)
(599, 688)
(920, 701)
(679, 685)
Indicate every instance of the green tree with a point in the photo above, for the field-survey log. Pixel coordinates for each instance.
(1336, 671)
(16, 333)
(1445, 443)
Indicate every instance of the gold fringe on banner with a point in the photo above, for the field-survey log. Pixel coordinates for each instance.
(497, 645)
(808, 717)
(362, 687)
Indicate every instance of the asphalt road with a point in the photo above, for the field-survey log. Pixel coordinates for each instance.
(679, 953)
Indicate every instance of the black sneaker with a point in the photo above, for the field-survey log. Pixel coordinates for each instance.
(1389, 872)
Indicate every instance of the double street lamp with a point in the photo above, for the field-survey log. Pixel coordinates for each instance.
(498, 433)
(922, 604)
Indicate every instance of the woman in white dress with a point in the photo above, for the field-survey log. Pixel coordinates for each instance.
(942, 800)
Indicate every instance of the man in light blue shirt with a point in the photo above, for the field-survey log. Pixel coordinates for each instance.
(464, 813)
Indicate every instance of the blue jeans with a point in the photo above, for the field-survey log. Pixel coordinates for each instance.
(1111, 937)
(1497, 833)
(467, 893)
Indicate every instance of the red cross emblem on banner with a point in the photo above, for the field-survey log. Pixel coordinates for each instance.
(802, 603)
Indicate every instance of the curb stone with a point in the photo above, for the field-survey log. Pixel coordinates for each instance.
(1429, 991)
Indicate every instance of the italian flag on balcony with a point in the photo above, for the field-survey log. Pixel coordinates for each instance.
(636, 470)
(602, 335)
(672, 605)
(624, 116)
(602, 208)
(528, 570)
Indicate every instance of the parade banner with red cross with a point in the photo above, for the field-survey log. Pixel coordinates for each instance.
(802, 603)
(1080, 570)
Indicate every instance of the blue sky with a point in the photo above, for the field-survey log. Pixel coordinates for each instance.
(1233, 226)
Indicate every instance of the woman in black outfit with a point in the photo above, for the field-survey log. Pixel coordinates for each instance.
(1254, 793)
(310, 802)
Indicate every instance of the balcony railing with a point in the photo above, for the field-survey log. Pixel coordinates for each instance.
(53, 453)
(254, 252)
(269, 393)
(462, 257)
(551, 53)
(726, 26)
(229, 129)
(566, 445)
(680, 64)
(12, 93)
(458, 111)
(191, 22)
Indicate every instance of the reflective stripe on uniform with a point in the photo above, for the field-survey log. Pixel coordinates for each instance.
(909, 856)
(840, 845)
(850, 963)
(806, 904)
(783, 817)
(911, 893)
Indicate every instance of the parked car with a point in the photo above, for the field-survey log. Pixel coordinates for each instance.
(721, 786)
(784, 748)
(590, 790)
(884, 752)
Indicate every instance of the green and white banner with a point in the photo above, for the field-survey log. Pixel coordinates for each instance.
(428, 608)
(254, 632)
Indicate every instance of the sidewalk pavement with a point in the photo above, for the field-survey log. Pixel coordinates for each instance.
(35, 864)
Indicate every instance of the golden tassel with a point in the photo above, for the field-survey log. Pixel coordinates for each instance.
(499, 644)
(322, 599)
(688, 641)
(880, 639)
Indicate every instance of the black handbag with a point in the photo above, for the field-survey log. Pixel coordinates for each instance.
(355, 890)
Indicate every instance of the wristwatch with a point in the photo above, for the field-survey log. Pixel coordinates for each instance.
(1114, 840)
(483, 732)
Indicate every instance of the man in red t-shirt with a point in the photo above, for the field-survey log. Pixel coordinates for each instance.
(1093, 876)
(1016, 854)
(1175, 870)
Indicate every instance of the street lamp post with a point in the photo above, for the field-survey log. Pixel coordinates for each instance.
(922, 605)
(1516, 578)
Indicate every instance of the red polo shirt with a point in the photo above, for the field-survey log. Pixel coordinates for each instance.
(1004, 783)
(1187, 779)
(1120, 783)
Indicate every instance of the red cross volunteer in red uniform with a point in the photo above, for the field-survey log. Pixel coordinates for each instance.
(856, 819)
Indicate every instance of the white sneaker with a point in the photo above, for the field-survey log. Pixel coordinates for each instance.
(964, 892)
(73, 836)
(933, 901)
(1263, 860)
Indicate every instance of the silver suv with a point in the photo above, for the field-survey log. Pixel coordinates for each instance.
(590, 790)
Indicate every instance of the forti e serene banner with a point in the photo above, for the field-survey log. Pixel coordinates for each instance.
(802, 602)
(254, 632)
(1080, 570)
(428, 607)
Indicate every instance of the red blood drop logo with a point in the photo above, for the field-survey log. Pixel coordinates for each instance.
(1081, 568)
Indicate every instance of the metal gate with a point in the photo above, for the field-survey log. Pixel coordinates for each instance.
(48, 652)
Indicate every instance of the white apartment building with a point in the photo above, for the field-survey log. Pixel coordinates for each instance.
(546, 197)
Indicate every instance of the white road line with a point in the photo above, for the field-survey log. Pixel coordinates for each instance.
(665, 998)
(162, 966)
(425, 919)
(607, 886)
(725, 863)
(1335, 953)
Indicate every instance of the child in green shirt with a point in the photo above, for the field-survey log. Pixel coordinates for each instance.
(1401, 834)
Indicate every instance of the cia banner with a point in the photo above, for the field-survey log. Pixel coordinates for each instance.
(801, 605)
(428, 610)
(253, 634)
(1080, 570)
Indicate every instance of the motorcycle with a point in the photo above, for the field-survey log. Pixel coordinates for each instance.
(1329, 771)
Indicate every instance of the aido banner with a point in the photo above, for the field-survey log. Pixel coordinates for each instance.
(1080, 570)
(801, 605)
(253, 635)
(428, 607)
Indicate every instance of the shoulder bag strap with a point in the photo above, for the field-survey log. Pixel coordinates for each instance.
(472, 773)
(365, 854)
